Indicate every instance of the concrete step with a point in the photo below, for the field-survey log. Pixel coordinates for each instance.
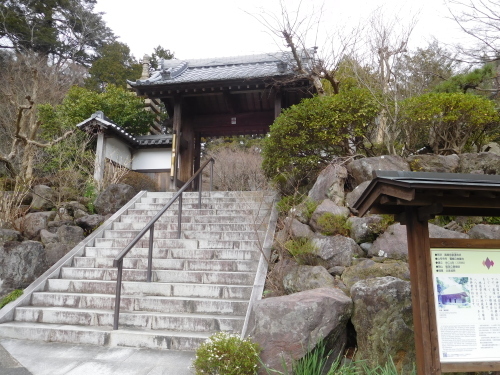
(141, 303)
(205, 212)
(154, 321)
(200, 254)
(217, 227)
(169, 264)
(182, 243)
(194, 200)
(234, 219)
(186, 234)
(214, 194)
(202, 283)
(206, 206)
(166, 276)
(133, 288)
(104, 336)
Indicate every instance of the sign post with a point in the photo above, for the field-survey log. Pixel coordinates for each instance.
(466, 283)
(455, 286)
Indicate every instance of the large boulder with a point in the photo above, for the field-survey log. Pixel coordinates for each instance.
(368, 269)
(327, 207)
(44, 198)
(482, 163)
(89, 222)
(60, 243)
(55, 251)
(70, 235)
(301, 278)
(286, 327)
(393, 242)
(434, 163)
(34, 222)
(296, 229)
(21, 263)
(483, 231)
(362, 169)
(113, 198)
(336, 250)
(383, 321)
(9, 235)
(47, 237)
(352, 197)
(491, 147)
(366, 228)
(73, 207)
(330, 185)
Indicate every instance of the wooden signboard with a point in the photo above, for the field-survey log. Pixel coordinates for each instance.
(466, 289)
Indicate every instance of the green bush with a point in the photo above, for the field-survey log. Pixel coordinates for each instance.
(448, 122)
(12, 296)
(227, 354)
(302, 250)
(306, 136)
(492, 220)
(331, 224)
(286, 203)
(139, 181)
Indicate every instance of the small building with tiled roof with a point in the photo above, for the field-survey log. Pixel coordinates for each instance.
(220, 97)
(148, 154)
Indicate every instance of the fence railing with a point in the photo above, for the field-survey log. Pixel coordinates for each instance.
(118, 261)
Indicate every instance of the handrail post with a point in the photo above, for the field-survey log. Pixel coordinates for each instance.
(118, 294)
(179, 217)
(212, 175)
(200, 181)
(150, 253)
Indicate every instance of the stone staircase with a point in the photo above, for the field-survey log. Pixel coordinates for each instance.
(202, 283)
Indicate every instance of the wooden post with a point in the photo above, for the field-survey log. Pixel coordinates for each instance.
(100, 158)
(277, 102)
(422, 294)
(186, 151)
(177, 133)
(197, 155)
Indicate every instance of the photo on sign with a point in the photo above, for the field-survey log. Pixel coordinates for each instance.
(453, 292)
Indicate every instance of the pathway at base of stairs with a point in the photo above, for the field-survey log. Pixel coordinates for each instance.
(23, 357)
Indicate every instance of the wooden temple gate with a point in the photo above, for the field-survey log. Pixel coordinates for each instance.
(221, 97)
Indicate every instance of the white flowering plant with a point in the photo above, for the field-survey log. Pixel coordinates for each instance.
(227, 354)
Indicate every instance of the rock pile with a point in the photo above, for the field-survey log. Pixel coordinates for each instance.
(356, 283)
(49, 231)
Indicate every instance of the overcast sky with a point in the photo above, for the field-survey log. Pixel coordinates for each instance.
(217, 28)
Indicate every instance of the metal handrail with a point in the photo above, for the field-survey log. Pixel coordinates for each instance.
(118, 261)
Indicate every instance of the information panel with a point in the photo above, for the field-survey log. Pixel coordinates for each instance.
(467, 300)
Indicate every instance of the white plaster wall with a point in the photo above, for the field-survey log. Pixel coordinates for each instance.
(118, 152)
(155, 158)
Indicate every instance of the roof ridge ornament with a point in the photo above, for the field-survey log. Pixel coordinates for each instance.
(170, 72)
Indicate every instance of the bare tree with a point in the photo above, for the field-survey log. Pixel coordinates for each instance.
(299, 32)
(28, 81)
(480, 19)
(386, 46)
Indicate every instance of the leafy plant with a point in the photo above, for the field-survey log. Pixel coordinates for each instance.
(309, 208)
(331, 224)
(308, 135)
(316, 362)
(286, 203)
(492, 220)
(227, 354)
(380, 227)
(302, 249)
(448, 122)
(12, 296)
(389, 368)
